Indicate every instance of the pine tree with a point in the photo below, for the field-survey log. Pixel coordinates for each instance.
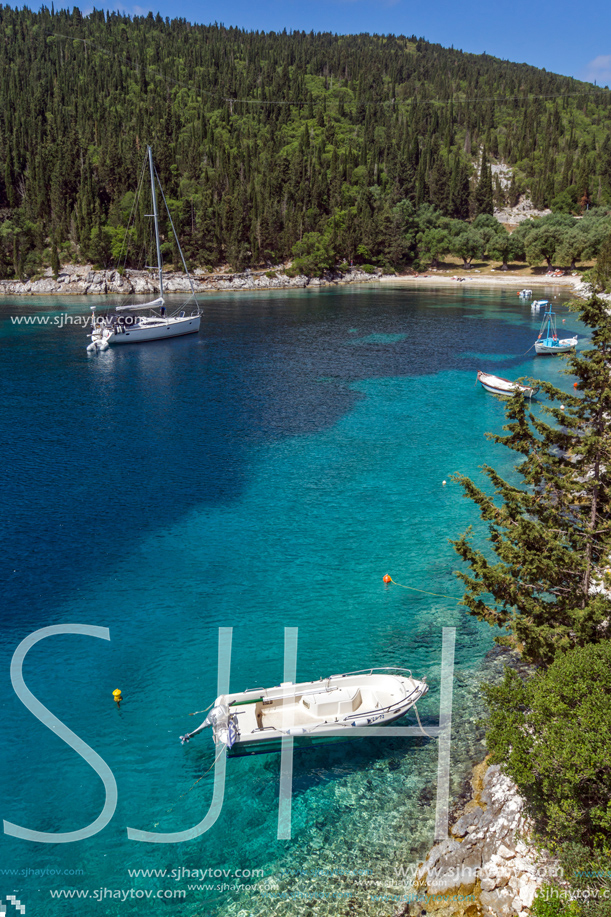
(9, 179)
(440, 185)
(551, 537)
(459, 189)
(484, 195)
(602, 271)
(55, 263)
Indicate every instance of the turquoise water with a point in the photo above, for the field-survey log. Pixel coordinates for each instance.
(264, 474)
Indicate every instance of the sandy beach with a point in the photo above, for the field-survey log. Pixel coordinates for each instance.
(486, 279)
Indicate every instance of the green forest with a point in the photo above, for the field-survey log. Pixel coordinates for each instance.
(327, 149)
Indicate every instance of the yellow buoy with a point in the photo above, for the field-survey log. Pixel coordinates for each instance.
(117, 695)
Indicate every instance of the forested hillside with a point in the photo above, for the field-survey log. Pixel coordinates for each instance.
(264, 142)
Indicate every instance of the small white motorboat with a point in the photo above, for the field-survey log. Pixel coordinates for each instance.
(548, 341)
(256, 720)
(499, 386)
(539, 303)
(525, 294)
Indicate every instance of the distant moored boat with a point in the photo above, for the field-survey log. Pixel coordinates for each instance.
(499, 386)
(548, 341)
(156, 325)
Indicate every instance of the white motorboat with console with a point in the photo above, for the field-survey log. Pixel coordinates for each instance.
(500, 386)
(256, 720)
(124, 326)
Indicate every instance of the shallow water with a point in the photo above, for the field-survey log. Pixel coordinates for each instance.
(261, 475)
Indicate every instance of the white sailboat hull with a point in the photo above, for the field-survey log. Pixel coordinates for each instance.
(156, 325)
(156, 330)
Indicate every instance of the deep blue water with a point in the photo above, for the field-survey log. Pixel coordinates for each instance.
(263, 474)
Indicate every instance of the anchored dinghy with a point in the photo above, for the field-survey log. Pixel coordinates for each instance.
(256, 720)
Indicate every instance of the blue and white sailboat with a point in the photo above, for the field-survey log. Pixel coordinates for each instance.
(548, 341)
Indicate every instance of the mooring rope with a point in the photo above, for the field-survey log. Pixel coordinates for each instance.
(420, 724)
(415, 589)
(194, 785)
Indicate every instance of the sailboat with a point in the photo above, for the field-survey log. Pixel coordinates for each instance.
(547, 341)
(126, 325)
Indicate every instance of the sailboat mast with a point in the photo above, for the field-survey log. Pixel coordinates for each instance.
(156, 218)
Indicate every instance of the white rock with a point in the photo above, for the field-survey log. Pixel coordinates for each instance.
(514, 884)
(487, 884)
(506, 853)
(522, 865)
(527, 893)
(497, 903)
(502, 876)
(44, 286)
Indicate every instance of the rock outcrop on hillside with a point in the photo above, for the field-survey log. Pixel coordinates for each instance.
(524, 210)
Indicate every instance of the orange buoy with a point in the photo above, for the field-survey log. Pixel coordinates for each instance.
(574, 385)
(387, 578)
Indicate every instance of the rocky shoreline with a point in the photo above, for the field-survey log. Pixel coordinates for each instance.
(79, 280)
(83, 280)
(489, 865)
